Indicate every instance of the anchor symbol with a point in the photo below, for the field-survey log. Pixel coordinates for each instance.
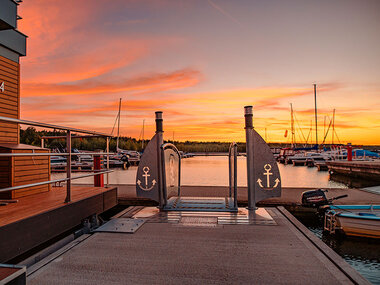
(267, 173)
(146, 170)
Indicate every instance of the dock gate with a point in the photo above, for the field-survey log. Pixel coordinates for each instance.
(159, 173)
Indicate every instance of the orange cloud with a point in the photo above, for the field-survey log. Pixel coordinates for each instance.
(150, 82)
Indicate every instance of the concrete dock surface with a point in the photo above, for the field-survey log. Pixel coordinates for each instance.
(165, 253)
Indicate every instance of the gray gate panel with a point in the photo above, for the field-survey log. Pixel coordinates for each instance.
(267, 175)
(147, 178)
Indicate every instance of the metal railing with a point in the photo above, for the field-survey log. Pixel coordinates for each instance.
(67, 154)
(232, 173)
(163, 168)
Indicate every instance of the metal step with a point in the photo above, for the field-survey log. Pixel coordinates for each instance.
(200, 204)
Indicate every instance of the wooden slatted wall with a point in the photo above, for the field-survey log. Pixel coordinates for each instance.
(28, 170)
(22, 170)
(9, 100)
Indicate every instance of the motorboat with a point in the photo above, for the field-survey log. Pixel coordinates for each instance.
(353, 220)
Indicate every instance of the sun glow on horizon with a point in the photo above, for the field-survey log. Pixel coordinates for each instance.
(201, 74)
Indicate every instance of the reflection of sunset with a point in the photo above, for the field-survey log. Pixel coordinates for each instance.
(201, 74)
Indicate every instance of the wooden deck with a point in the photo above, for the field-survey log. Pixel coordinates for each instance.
(38, 218)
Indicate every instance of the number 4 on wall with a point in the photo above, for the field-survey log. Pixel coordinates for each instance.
(2, 86)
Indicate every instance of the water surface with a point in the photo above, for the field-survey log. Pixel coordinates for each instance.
(213, 170)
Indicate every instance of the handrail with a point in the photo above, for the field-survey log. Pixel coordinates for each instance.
(73, 137)
(57, 154)
(53, 181)
(37, 124)
(233, 171)
(173, 147)
(69, 154)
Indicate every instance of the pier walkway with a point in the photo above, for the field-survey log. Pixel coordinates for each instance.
(202, 252)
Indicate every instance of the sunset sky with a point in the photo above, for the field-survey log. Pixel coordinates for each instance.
(201, 62)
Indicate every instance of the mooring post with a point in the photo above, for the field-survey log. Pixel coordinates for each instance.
(98, 179)
(160, 142)
(248, 114)
(349, 152)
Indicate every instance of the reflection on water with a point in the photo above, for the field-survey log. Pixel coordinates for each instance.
(361, 253)
(213, 170)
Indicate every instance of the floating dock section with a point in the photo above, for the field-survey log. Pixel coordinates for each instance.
(358, 169)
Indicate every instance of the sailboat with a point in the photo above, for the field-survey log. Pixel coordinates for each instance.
(131, 156)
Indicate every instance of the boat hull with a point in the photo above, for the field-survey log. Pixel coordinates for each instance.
(359, 227)
(354, 220)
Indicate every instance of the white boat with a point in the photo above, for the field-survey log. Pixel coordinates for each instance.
(353, 220)
(303, 158)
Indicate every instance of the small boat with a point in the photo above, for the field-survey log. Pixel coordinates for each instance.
(353, 220)
(305, 158)
(57, 160)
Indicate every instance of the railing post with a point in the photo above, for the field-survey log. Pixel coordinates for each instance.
(108, 159)
(235, 176)
(248, 114)
(68, 167)
(230, 171)
(42, 143)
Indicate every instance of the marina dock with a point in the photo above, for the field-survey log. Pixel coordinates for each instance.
(198, 248)
(160, 230)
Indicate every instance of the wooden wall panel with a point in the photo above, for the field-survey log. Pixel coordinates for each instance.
(22, 170)
(28, 170)
(9, 100)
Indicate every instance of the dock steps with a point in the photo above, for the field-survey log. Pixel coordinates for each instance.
(214, 204)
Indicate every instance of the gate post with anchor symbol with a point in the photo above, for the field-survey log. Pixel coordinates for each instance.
(263, 175)
(149, 176)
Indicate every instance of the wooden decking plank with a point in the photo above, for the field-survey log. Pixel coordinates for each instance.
(43, 202)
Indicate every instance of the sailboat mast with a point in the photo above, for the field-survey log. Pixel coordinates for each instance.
(118, 127)
(316, 116)
(142, 143)
(332, 140)
(292, 124)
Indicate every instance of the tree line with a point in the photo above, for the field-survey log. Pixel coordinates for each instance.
(32, 136)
